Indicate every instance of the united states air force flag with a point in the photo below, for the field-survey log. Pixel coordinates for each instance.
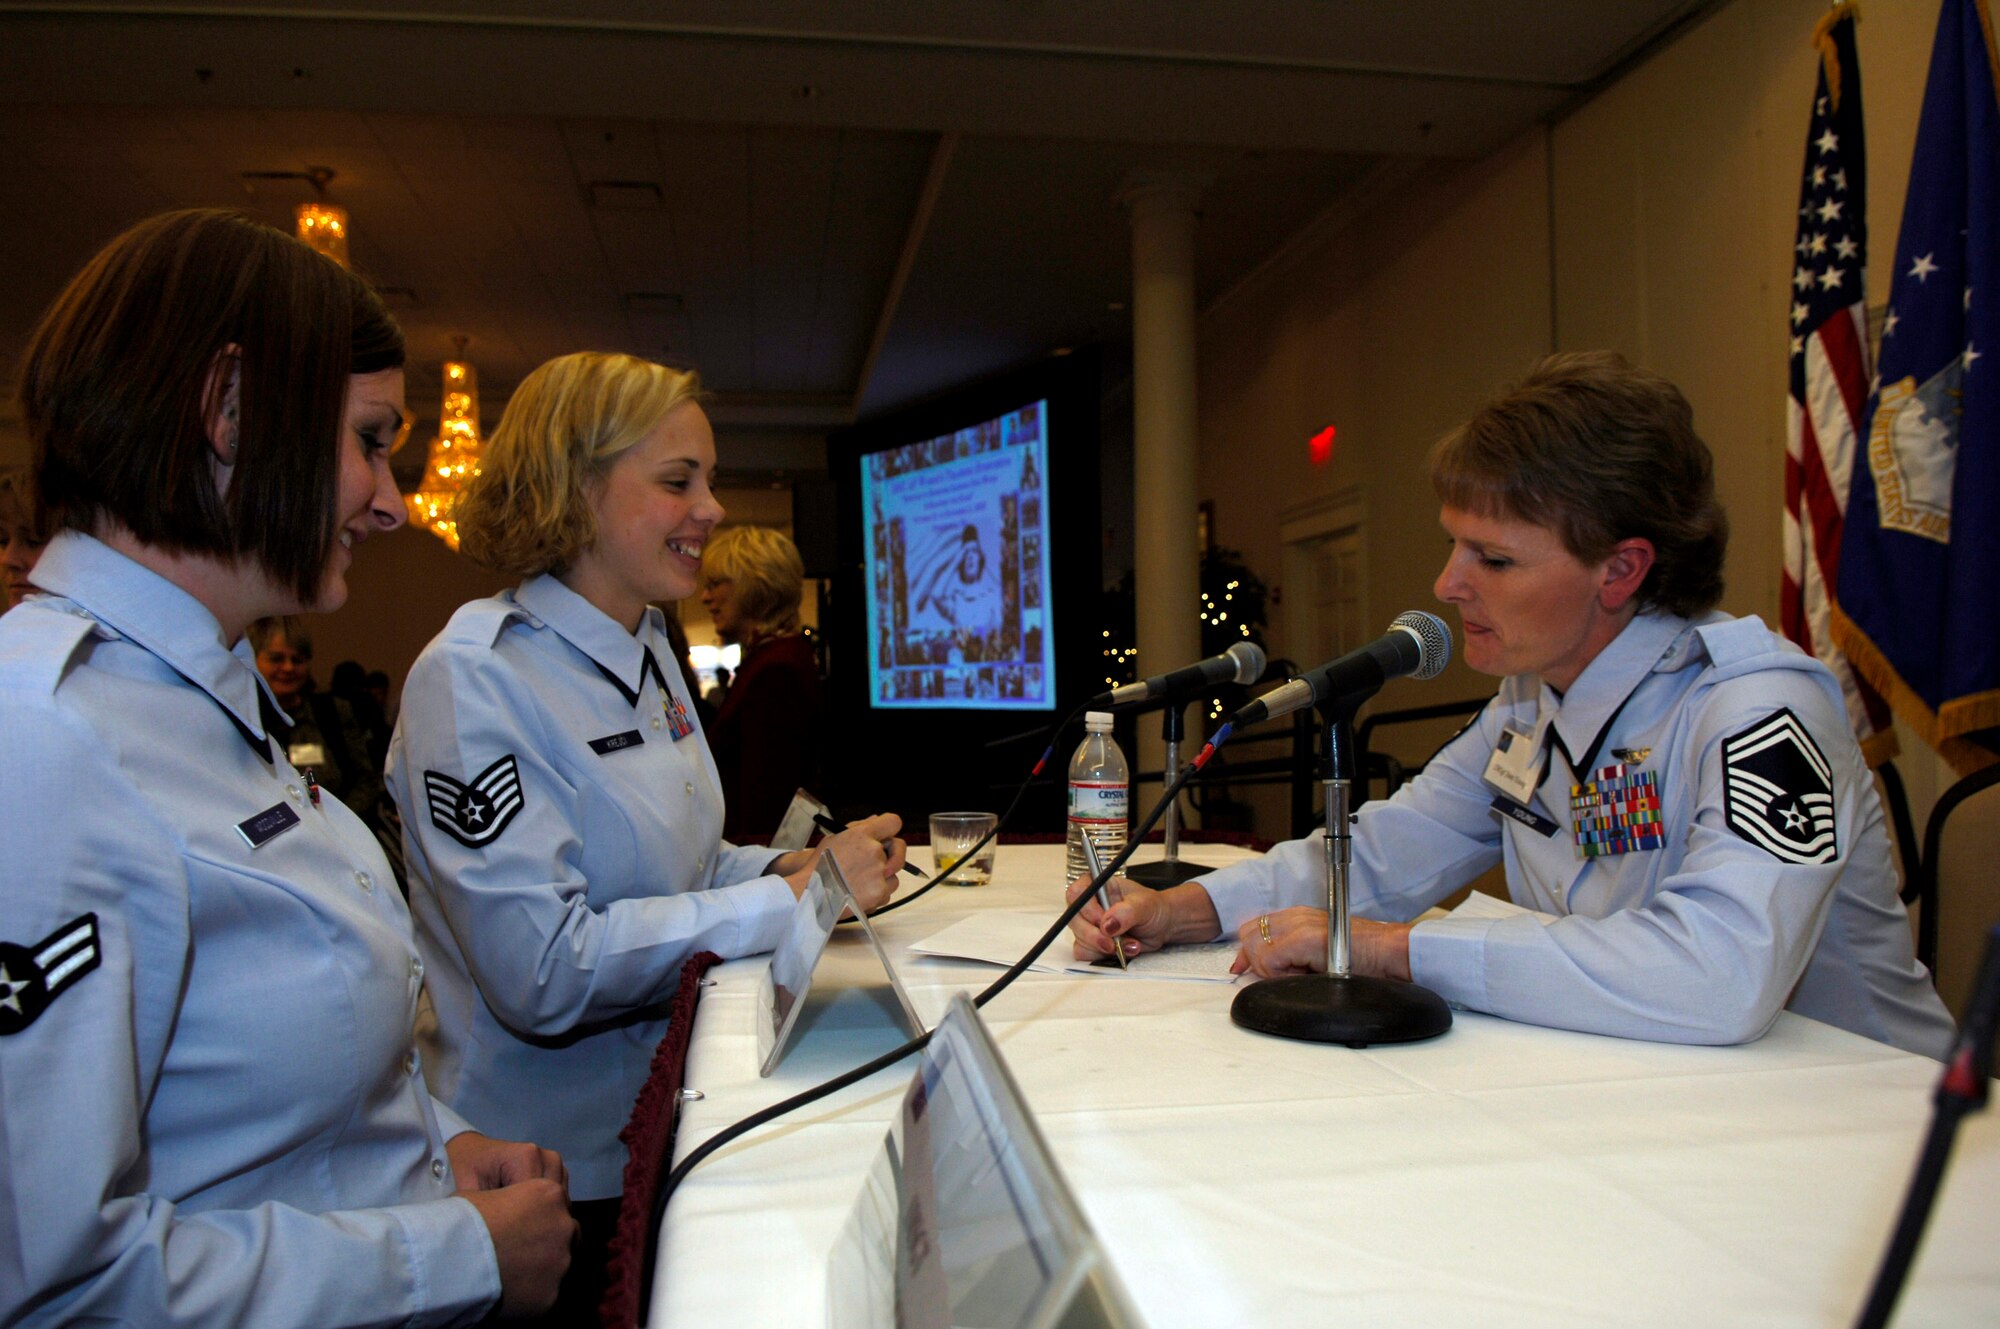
(1919, 591)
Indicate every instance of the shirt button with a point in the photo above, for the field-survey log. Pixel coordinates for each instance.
(410, 1062)
(292, 792)
(437, 1168)
(689, 786)
(700, 863)
(364, 881)
(417, 968)
(656, 722)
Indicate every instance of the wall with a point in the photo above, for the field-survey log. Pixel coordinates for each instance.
(401, 590)
(1656, 219)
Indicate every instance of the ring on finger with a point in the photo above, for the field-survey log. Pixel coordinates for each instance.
(1264, 928)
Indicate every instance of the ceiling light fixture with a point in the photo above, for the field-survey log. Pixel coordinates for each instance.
(455, 451)
(323, 225)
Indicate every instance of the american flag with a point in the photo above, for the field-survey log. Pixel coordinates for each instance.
(1829, 368)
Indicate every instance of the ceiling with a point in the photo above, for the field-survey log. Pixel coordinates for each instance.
(830, 210)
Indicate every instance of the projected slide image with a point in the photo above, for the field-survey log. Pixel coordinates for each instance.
(956, 538)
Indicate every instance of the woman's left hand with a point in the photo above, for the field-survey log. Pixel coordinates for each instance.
(1293, 941)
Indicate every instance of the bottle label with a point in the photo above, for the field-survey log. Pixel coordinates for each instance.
(1098, 802)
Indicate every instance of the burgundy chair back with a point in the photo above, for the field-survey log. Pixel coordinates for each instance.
(649, 1140)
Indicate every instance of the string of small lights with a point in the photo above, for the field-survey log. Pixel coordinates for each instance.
(1119, 670)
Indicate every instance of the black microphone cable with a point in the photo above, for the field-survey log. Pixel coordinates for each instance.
(1961, 1092)
(1041, 764)
(728, 1134)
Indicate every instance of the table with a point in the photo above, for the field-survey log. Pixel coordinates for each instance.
(1500, 1175)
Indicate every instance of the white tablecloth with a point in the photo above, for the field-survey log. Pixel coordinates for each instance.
(1499, 1175)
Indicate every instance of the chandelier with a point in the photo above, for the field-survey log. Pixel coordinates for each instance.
(323, 225)
(454, 456)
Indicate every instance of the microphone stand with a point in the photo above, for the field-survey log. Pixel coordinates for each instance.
(1340, 1006)
(1169, 871)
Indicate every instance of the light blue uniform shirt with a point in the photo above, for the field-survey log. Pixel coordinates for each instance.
(553, 941)
(224, 1120)
(1701, 940)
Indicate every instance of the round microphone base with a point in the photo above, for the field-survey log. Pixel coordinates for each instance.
(1326, 1008)
(1167, 872)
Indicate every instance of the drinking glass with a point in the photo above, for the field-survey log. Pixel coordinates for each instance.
(952, 836)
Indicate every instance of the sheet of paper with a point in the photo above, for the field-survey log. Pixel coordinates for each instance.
(1208, 962)
(997, 936)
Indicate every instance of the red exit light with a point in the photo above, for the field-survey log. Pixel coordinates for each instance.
(1322, 446)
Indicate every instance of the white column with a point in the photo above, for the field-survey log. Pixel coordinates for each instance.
(1167, 565)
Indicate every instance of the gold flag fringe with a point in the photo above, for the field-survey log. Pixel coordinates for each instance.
(1942, 729)
(1985, 13)
(1829, 54)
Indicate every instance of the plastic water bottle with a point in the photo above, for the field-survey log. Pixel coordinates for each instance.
(1100, 786)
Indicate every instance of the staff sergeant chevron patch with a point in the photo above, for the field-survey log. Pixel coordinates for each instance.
(474, 814)
(32, 977)
(1777, 790)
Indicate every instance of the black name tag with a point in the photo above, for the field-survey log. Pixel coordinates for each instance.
(1527, 816)
(611, 743)
(267, 825)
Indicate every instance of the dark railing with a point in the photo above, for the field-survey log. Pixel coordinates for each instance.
(1298, 767)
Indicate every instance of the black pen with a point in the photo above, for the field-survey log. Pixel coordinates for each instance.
(832, 827)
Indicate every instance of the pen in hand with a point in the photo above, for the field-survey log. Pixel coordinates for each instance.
(1103, 894)
(832, 827)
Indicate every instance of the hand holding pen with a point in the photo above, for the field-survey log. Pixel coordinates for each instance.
(832, 827)
(868, 853)
(1096, 864)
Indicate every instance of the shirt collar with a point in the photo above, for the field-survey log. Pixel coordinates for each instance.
(1582, 714)
(583, 625)
(144, 607)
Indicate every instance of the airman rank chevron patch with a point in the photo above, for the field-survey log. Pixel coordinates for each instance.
(1777, 790)
(32, 977)
(474, 814)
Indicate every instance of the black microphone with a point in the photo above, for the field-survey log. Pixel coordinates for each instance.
(1417, 645)
(1241, 663)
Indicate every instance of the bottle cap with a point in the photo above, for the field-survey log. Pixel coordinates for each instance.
(1097, 722)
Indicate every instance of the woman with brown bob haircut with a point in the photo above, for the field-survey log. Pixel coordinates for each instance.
(561, 812)
(766, 736)
(1684, 815)
(190, 930)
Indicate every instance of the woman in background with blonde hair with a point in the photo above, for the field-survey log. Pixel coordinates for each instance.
(561, 813)
(766, 735)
